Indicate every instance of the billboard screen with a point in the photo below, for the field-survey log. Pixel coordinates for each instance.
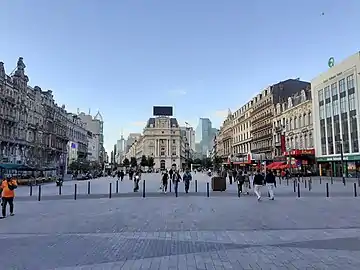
(162, 111)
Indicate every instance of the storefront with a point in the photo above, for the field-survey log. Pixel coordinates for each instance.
(303, 159)
(332, 165)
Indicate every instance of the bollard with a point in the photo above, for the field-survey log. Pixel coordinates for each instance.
(144, 188)
(31, 189)
(207, 190)
(294, 186)
(88, 188)
(320, 180)
(75, 191)
(327, 189)
(310, 185)
(60, 188)
(170, 185)
(305, 184)
(238, 190)
(176, 186)
(110, 184)
(117, 186)
(279, 180)
(287, 181)
(332, 180)
(355, 191)
(196, 185)
(298, 190)
(39, 193)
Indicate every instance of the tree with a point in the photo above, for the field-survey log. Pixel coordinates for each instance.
(217, 161)
(197, 161)
(150, 162)
(133, 162)
(126, 162)
(206, 162)
(144, 161)
(189, 162)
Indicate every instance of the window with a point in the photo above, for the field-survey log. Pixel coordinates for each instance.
(335, 107)
(323, 136)
(321, 95)
(343, 105)
(327, 92)
(328, 109)
(334, 89)
(321, 112)
(350, 81)
(354, 134)
(342, 85)
(162, 153)
(352, 103)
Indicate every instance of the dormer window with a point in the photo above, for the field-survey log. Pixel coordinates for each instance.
(290, 103)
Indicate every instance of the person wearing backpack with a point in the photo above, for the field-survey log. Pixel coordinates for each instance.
(8, 186)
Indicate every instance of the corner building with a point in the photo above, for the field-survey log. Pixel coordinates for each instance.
(335, 95)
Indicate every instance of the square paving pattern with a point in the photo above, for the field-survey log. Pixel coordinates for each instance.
(187, 232)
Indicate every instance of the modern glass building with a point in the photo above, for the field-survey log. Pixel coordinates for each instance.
(336, 108)
(203, 136)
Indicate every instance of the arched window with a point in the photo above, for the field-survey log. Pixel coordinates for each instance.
(291, 124)
(310, 121)
(300, 121)
(295, 122)
(305, 141)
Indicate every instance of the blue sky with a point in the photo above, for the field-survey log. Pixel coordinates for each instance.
(201, 56)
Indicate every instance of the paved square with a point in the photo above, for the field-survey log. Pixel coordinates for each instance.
(188, 232)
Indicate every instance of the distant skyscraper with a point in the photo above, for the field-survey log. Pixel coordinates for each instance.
(203, 136)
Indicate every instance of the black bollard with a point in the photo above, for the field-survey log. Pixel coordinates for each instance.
(176, 186)
(110, 191)
(298, 190)
(332, 180)
(207, 189)
(358, 182)
(238, 190)
(143, 190)
(75, 191)
(170, 186)
(196, 185)
(31, 189)
(294, 186)
(320, 179)
(327, 189)
(117, 186)
(88, 188)
(310, 185)
(355, 191)
(60, 189)
(39, 193)
(305, 184)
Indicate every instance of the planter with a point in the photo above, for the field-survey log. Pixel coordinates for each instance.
(218, 183)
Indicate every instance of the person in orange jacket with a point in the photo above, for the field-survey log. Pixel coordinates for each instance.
(8, 186)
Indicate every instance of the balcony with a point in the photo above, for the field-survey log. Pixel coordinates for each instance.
(262, 149)
(262, 127)
(261, 107)
(261, 137)
(265, 116)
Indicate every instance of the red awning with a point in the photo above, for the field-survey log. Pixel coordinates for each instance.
(274, 165)
(287, 166)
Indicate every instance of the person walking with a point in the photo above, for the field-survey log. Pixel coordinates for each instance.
(246, 186)
(165, 178)
(240, 181)
(137, 180)
(258, 183)
(8, 186)
(187, 178)
(270, 181)
(122, 174)
(176, 178)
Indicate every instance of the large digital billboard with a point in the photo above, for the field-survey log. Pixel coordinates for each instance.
(163, 111)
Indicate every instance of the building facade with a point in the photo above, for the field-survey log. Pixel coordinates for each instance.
(163, 142)
(78, 138)
(203, 137)
(336, 105)
(293, 130)
(33, 128)
(225, 138)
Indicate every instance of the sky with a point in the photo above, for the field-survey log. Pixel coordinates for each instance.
(202, 57)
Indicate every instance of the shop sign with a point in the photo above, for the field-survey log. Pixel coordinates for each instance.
(338, 158)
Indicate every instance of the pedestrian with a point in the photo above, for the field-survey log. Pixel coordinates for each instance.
(165, 178)
(240, 181)
(270, 181)
(176, 178)
(258, 183)
(122, 174)
(187, 178)
(137, 180)
(246, 186)
(8, 186)
(230, 176)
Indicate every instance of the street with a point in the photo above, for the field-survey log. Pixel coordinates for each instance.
(188, 232)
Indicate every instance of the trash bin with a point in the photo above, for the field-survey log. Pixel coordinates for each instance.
(218, 183)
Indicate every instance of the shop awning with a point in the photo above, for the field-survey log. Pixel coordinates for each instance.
(274, 165)
(287, 166)
(15, 167)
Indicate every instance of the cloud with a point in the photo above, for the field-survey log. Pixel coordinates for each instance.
(139, 124)
(177, 92)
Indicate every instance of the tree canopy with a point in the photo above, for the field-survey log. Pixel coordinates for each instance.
(144, 161)
(126, 162)
(150, 162)
(133, 162)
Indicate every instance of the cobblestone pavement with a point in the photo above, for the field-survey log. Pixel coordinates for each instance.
(183, 233)
(99, 188)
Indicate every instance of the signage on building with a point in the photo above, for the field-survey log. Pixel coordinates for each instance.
(331, 62)
(338, 158)
(298, 152)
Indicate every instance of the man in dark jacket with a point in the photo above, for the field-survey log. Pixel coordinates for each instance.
(258, 183)
(187, 178)
(270, 181)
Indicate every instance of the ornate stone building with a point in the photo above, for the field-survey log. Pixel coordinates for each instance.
(224, 140)
(33, 129)
(162, 139)
(293, 125)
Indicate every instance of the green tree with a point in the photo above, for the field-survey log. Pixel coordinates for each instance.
(144, 161)
(150, 162)
(206, 162)
(217, 161)
(189, 162)
(197, 161)
(133, 162)
(126, 162)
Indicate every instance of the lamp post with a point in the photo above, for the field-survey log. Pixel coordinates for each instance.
(342, 160)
